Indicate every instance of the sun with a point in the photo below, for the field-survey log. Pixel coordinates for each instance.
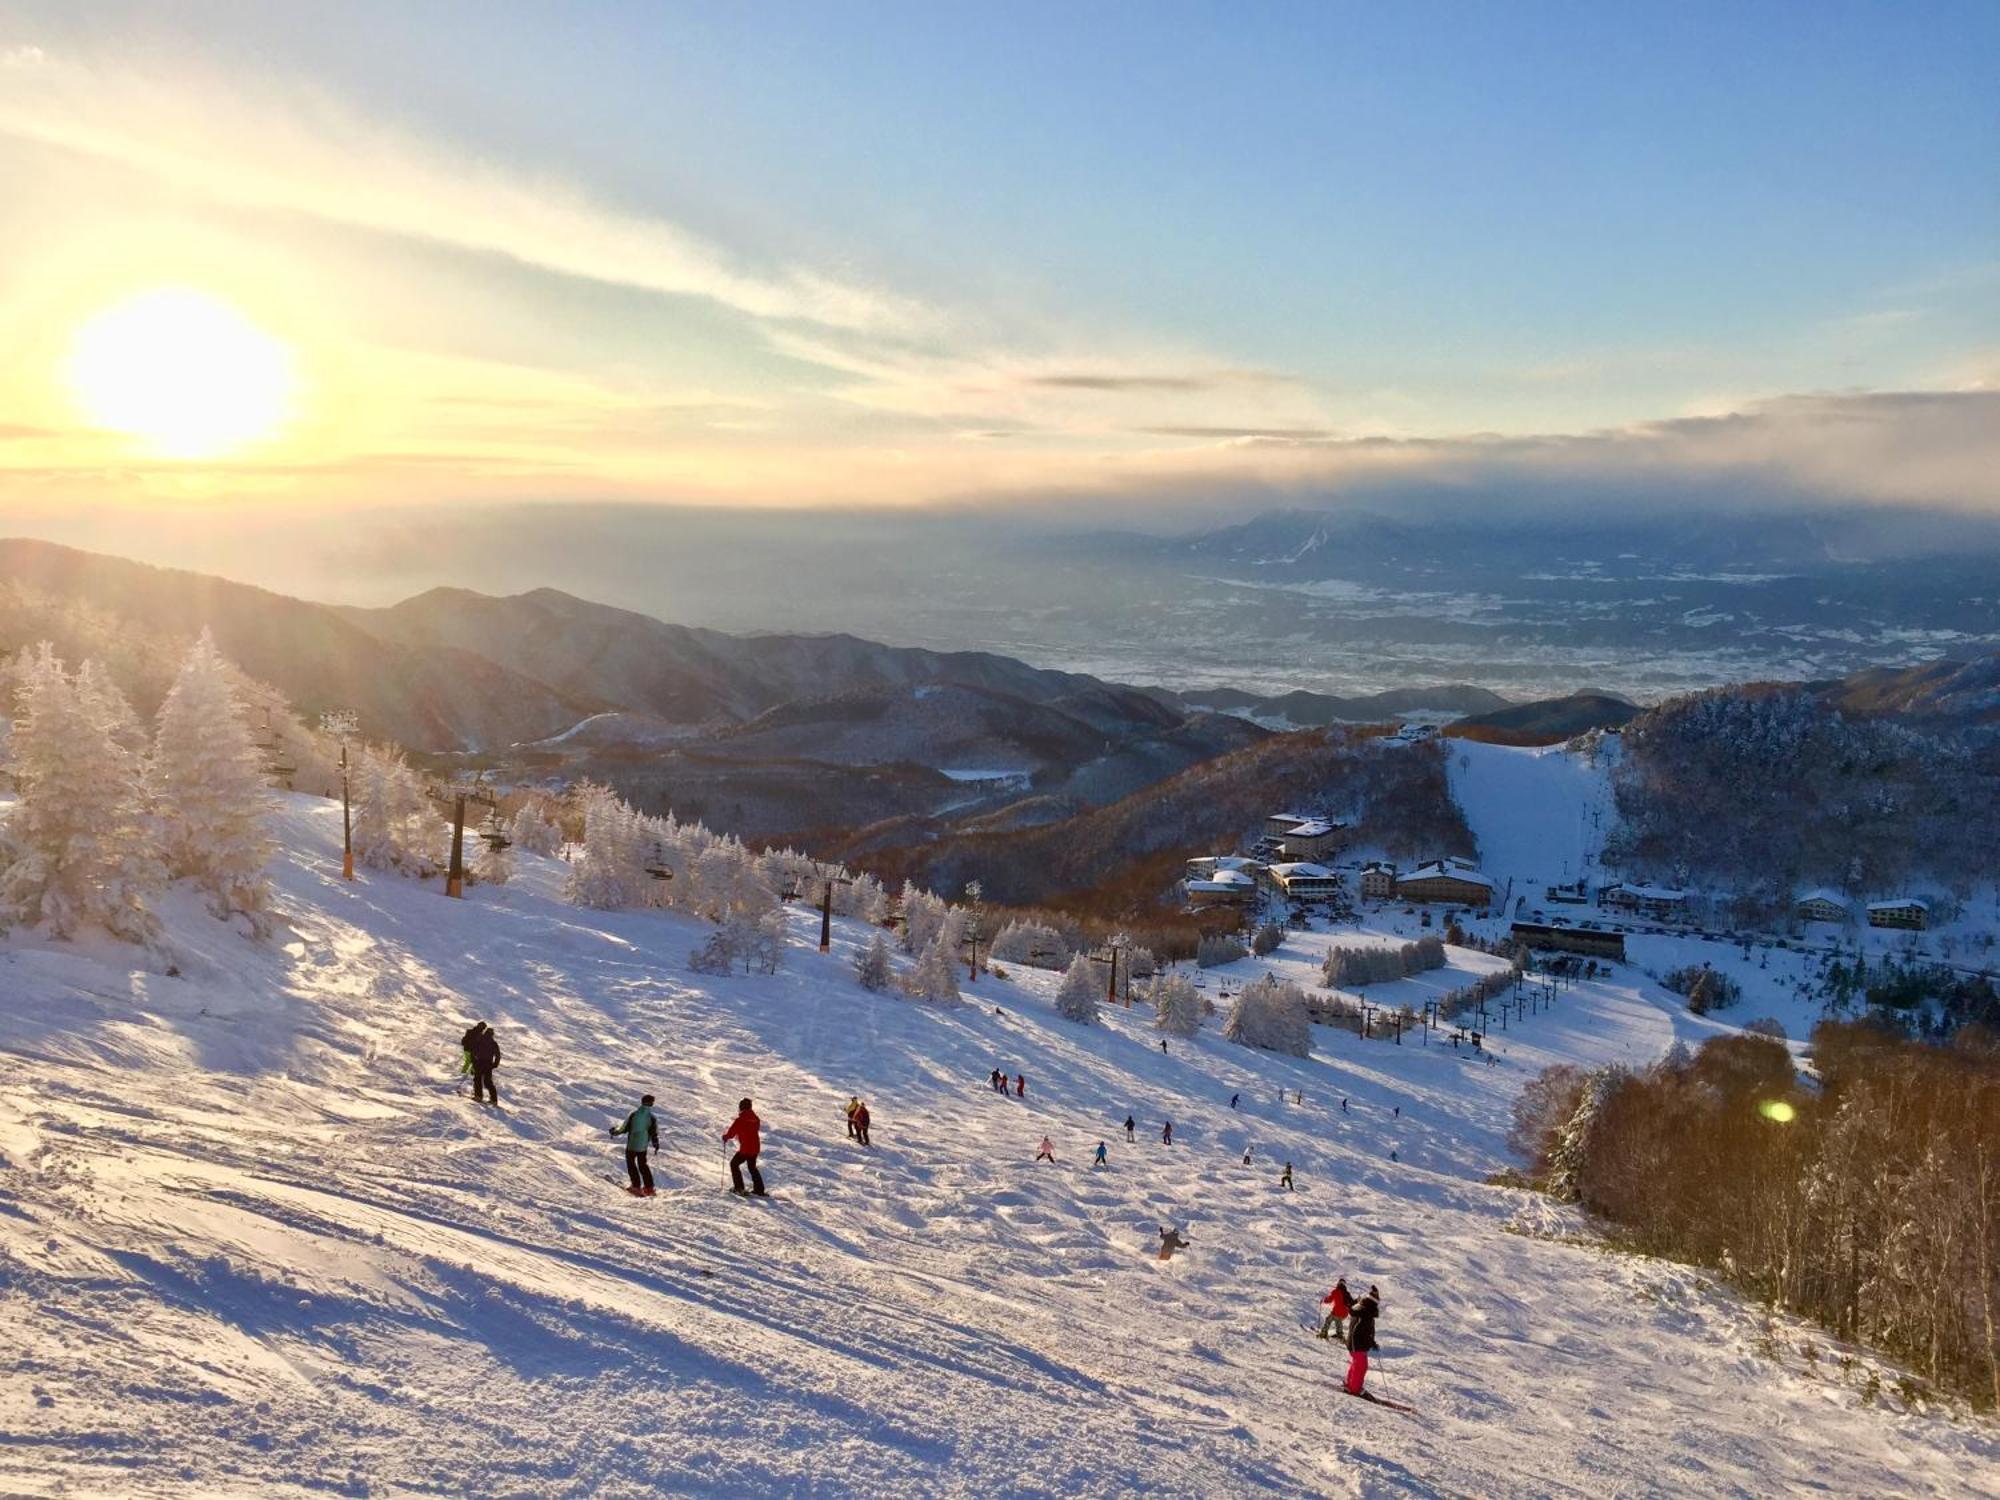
(186, 374)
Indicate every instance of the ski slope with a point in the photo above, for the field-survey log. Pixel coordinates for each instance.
(254, 1238)
(1540, 815)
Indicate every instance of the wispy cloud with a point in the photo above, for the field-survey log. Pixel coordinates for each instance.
(306, 152)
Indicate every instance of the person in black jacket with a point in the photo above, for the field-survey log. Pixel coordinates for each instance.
(1361, 1339)
(483, 1047)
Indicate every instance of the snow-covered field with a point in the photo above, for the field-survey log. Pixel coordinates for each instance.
(254, 1238)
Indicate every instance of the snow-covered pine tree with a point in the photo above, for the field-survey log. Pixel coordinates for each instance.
(1267, 939)
(604, 875)
(532, 832)
(206, 778)
(373, 833)
(872, 968)
(935, 977)
(1077, 997)
(923, 913)
(1178, 1007)
(1271, 1015)
(1034, 943)
(81, 850)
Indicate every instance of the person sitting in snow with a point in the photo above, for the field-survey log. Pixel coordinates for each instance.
(642, 1133)
(1338, 1304)
(1047, 1152)
(1170, 1241)
(1361, 1340)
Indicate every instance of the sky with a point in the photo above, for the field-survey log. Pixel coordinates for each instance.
(1112, 256)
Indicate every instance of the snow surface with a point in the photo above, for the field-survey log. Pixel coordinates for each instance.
(255, 1238)
(1540, 815)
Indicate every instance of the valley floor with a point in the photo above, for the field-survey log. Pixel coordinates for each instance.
(255, 1238)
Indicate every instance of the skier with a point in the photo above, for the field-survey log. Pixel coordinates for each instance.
(744, 1131)
(1398, 1112)
(1246, 1156)
(853, 1103)
(642, 1133)
(993, 1081)
(1167, 1133)
(1130, 1125)
(1101, 1159)
(1343, 1106)
(1163, 1044)
(1047, 1151)
(1338, 1304)
(1232, 1100)
(1285, 1181)
(482, 1046)
(1361, 1339)
(1020, 1085)
(1298, 1096)
(861, 1123)
(1170, 1241)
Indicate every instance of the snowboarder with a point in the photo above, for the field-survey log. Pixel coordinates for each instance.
(1163, 1044)
(1339, 1303)
(1047, 1152)
(1130, 1125)
(1101, 1159)
(1285, 1181)
(995, 1082)
(482, 1047)
(642, 1133)
(1298, 1096)
(1398, 1112)
(1170, 1241)
(1167, 1133)
(853, 1103)
(861, 1123)
(1361, 1339)
(1343, 1106)
(1020, 1085)
(1246, 1156)
(1232, 1100)
(744, 1131)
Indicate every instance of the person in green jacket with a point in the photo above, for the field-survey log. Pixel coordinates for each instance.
(642, 1132)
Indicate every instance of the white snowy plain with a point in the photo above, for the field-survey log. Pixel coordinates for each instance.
(256, 1239)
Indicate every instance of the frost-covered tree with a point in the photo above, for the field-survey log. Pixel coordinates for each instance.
(394, 826)
(935, 976)
(206, 778)
(1267, 939)
(80, 845)
(1430, 950)
(533, 832)
(493, 864)
(1272, 1015)
(1178, 1007)
(1077, 997)
(1034, 943)
(1219, 948)
(606, 873)
(872, 969)
(923, 914)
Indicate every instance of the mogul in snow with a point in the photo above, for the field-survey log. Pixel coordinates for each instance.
(745, 1130)
(642, 1134)
(482, 1055)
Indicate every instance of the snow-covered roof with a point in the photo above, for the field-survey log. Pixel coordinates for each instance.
(1436, 871)
(1900, 903)
(1823, 893)
(1651, 892)
(1223, 862)
(1302, 870)
(1289, 817)
(1316, 828)
(1221, 880)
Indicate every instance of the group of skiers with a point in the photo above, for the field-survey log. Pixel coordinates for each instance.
(1351, 1321)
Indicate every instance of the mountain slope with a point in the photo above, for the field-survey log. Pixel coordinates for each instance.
(256, 1240)
(434, 698)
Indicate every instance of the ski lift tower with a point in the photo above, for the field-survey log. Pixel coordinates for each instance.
(458, 794)
(341, 724)
(829, 876)
(1113, 948)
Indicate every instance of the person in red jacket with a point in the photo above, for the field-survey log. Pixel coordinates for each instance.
(744, 1131)
(1020, 1085)
(1339, 1303)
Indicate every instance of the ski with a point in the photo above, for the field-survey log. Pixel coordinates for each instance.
(1379, 1401)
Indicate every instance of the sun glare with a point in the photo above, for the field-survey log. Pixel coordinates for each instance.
(184, 373)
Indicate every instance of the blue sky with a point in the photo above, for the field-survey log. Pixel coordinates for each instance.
(1115, 239)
